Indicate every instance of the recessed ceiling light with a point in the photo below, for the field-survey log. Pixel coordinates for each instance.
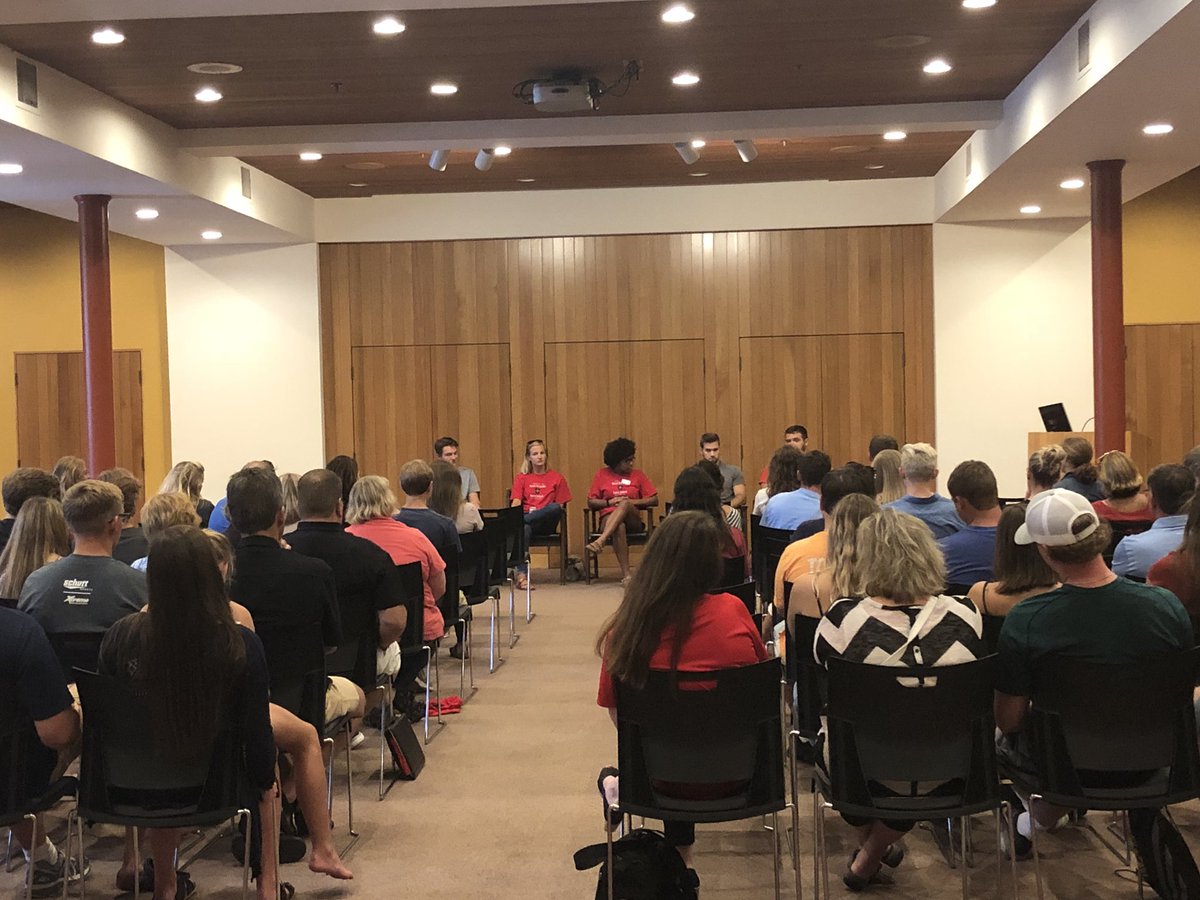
(364, 166)
(685, 79)
(211, 235)
(902, 41)
(208, 95)
(698, 174)
(443, 88)
(1031, 210)
(310, 155)
(697, 144)
(849, 148)
(502, 150)
(674, 15)
(1072, 184)
(214, 68)
(527, 180)
(146, 213)
(937, 67)
(358, 184)
(875, 166)
(388, 25)
(107, 36)
(1158, 128)
(11, 168)
(894, 135)
(978, 4)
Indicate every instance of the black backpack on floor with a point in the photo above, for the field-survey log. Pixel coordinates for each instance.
(645, 867)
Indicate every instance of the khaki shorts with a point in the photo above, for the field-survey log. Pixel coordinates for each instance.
(341, 697)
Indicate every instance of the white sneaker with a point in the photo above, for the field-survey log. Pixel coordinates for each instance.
(358, 740)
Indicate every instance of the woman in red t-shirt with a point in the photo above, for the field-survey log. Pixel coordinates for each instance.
(541, 493)
(666, 597)
(1126, 499)
(620, 492)
(1179, 571)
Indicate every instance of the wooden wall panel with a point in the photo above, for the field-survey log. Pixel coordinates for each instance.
(781, 386)
(1162, 400)
(393, 408)
(910, 264)
(337, 312)
(862, 392)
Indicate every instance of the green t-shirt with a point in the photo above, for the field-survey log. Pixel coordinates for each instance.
(1121, 622)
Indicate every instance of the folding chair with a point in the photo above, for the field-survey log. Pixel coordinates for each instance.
(558, 539)
(591, 532)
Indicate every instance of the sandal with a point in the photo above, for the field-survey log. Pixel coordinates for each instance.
(184, 886)
(859, 883)
(287, 890)
(613, 814)
(145, 879)
(894, 855)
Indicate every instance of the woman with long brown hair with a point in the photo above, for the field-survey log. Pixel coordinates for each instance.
(1019, 569)
(188, 478)
(448, 500)
(39, 536)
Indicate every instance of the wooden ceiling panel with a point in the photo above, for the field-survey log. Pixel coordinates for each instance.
(647, 165)
(330, 68)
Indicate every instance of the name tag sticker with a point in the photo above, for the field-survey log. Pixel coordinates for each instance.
(626, 481)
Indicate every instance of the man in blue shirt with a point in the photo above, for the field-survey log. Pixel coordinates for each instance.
(970, 552)
(789, 509)
(918, 469)
(1171, 487)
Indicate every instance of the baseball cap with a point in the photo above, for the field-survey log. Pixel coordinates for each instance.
(1051, 517)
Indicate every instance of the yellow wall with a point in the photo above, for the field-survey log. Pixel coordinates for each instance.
(1162, 251)
(40, 312)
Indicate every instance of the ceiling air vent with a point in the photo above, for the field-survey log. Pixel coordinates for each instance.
(1083, 39)
(27, 91)
(246, 183)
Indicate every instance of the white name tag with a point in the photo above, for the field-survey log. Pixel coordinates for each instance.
(626, 481)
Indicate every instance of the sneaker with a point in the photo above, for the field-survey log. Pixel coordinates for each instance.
(458, 651)
(358, 740)
(48, 877)
(1022, 848)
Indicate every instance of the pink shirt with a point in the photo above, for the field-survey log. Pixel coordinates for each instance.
(407, 545)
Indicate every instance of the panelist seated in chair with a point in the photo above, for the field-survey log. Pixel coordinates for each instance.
(671, 592)
(620, 492)
(901, 619)
(540, 491)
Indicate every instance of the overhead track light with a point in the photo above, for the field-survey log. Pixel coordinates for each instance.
(687, 152)
(746, 150)
(438, 160)
(484, 159)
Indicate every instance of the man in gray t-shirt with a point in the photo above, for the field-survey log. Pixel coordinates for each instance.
(88, 591)
(733, 487)
(446, 448)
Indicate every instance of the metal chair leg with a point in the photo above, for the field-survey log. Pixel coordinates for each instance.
(999, 853)
(792, 737)
(513, 637)
(8, 866)
(327, 744)
(137, 859)
(963, 824)
(1012, 844)
(1037, 858)
(775, 847)
(609, 839)
(529, 613)
(349, 785)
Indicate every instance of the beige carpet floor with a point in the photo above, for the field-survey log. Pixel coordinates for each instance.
(508, 794)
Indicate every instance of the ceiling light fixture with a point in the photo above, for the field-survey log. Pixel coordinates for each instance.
(1158, 128)
(310, 155)
(11, 168)
(146, 214)
(208, 95)
(1031, 210)
(387, 26)
(443, 88)
(107, 36)
(685, 79)
(936, 67)
(527, 180)
(874, 167)
(978, 4)
(895, 135)
(687, 152)
(1072, 184)
(211, 235)
(698, 174)
(677, 14)
(746, 150)
(502, 150)
(438, 160)
(698, 144)
(484, 159)
(358, 184)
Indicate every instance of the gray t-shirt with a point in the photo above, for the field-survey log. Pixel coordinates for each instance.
(83, 594)
(733, 477)
(470, 481)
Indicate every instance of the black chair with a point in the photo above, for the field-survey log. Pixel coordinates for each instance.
(1120, 531)
(734, 572)
(123, 780)
(725, 730)
(992, 626)
(76, 650)
(516, 553)
(473, 584)
(766, 549)
(497, 549)
(591, 532)
(745, 593)
(908, 725)
(560, 540)
(1134, 749)
(454, 614)
(413, 642)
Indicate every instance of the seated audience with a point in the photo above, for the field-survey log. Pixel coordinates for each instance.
(784, 476)
(1044, 469)
(346, 469)
(666, 598)
(793, 436)
(733, 482)
(446, 449)
(788, 509)
(969, 552)
(416, 481)
(808, 555)
(32, 681)
(1171, 489)
(1126, 502)
(889, 486)
(218, 521)
(132, 544)
(866, 478)
(1095, 615)
(188, 478)
(1018, 569)
(161, 512)
(291, 501)
(541, 493)
(18, 486)
(446, 499)
(193, 665)
(881, 442)
(1192, 461)
(69, 470)
(919, 472)
(1079, 474)
(813, 592)
(87, 591)
(696, 489)
(620, 492)
(1179, 570)
(902, 619)
(39, 537)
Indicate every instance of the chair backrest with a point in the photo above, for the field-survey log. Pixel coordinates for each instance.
(302, 694)
(911, 724)
(18, 743)
(807, 674)
(745, 593)
(1093, 717)
(702, 728)
(992, 626)
(413, 583)
(472, 566)
(734, 571)
(768, 548)
(496, 538)
(448, 602)
(76, 650)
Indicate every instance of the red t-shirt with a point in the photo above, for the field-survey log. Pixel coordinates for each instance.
(1104, 511)
(737, 548)
(723, 636)
(763, 475)
(535, 491)
(407, 545)
(608, 485)
(1172, 573)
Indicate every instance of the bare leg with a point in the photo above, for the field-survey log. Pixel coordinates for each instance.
(610, 524)
(621, 548)
(164, 842)
(874, 845)
(128, 871)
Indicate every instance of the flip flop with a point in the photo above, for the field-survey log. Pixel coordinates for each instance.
(613, 815)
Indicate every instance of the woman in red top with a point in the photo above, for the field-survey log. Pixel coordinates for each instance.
(1179, 571)
(541, 493)
(668, 621)
(620, 492)
(1127, 500)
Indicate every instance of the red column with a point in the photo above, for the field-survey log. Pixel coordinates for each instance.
(1108, 305)
(97, 331)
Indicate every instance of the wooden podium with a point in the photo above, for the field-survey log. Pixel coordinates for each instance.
(1136, 444)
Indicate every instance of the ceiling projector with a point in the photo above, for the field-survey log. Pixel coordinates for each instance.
(562, 96)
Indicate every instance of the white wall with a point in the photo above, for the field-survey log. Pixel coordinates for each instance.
(245, 358)
(1012, 332)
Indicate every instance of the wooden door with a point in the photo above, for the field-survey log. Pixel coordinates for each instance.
(1162, 403)
(393, 409)
(51, 420)
(780, 386)
(862, 392)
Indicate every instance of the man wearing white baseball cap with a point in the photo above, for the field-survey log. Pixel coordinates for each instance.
(1095, 615)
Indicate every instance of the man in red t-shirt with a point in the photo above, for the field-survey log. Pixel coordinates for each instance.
(797, 436)
(620, 492)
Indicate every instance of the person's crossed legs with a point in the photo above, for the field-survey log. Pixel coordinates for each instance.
(624, 518)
